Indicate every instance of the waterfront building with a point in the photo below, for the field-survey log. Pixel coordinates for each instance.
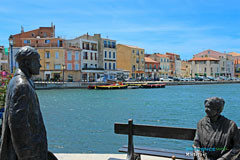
(107, 57)
(175, 64)
(226, 62)
(72, 65)
(164, 64)
(90, 68)
(4, 59)
(151, 68)
(204, 66)
(21, 39)
(186, 69)
(236, 57)
(131, 58)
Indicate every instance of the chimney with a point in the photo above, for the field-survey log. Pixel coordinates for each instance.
(22, 29)
(87, 35)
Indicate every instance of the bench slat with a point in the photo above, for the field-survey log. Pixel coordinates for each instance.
(156, 131)
(158, 153)
(156, 149)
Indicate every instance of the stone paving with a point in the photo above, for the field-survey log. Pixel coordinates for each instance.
(62, 156)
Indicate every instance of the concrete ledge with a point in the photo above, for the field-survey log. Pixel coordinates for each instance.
(76, 156)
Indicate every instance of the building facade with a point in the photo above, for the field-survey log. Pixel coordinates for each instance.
(131, 58)
(27, 39)
(205, 66)
(151, 68)
(90, 68)
(186, 69)
(226, 62)
(164, 64)
(175, 64)
(4, 59)
(236, 57)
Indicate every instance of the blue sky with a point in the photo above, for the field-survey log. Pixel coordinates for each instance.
(185, 27)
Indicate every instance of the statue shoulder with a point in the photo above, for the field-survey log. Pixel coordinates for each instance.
(19, 83)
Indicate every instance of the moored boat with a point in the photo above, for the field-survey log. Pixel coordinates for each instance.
(112, 86)
(153, 85)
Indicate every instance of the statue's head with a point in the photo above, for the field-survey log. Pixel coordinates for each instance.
(214, 106)
(29, 59)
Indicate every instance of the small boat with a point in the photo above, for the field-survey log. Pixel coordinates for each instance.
(153, 85)
(112, 86)
(92, 87)
(133, 87)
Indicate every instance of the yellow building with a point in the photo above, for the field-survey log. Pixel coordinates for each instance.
(131, 58)
(52, 61)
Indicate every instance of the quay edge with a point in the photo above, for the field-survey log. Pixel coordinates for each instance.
(84, 85)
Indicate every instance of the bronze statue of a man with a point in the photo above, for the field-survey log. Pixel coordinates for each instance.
(23, 133)
(217, 138)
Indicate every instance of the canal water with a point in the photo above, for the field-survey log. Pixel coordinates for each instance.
(82, 121)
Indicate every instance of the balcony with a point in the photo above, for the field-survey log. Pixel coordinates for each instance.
(89, 68)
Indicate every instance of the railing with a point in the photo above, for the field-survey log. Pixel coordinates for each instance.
(86, 68)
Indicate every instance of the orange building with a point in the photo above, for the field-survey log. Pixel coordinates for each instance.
(151, 68)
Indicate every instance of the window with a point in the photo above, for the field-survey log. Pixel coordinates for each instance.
(133, 51)
(69, 56)
(141, 52)
(164, 60)
(133, 68)
(105, 65)
(56, 55)
(57, 66)
(150, 66)
(155, 67)
(109, 54)
(167, 60)
(47, 66)
(161, 59)
(114, 55)
(114, 66)
(105, 43)
(91, 56)
(76, 66)
(110, 65)
(142, 60)
(76, 55)
(69, 66)
(84, 65)
(211, 69)
(137, 52)
(205, 69)
(137, 60)
(105, 54)
(95, 56)
(109, 44)
(44, 34)
(47, 41)
(85, 55)
(113, 44)
(27, 41)
(47, 54)
(95, 65)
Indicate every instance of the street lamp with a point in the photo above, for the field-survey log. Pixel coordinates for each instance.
(63, 68)
(11, 58)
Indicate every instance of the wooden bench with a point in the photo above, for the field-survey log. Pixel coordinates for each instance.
(135, 152)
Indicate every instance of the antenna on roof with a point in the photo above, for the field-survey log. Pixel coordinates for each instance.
(22, 29)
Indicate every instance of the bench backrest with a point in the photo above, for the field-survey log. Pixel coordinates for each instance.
(155, 131)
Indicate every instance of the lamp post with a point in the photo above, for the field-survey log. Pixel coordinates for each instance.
(11, 53)
(63, 68)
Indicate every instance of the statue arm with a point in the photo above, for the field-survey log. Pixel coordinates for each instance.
(235, 151)
(198, 155)
(21, 133)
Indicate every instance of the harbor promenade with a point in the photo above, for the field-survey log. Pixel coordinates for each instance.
(75, 156)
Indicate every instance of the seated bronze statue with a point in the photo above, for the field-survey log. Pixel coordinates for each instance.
(23, 131)
(217, 138)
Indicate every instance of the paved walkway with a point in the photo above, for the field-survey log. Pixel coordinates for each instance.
(62, 156)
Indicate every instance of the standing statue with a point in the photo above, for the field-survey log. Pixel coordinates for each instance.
(23, 132)
(217, 138)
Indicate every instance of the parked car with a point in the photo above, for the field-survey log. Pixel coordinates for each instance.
(210, 78)
(176, 79)
(199, 78)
